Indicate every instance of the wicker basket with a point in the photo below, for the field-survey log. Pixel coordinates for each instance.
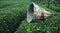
(36, 13)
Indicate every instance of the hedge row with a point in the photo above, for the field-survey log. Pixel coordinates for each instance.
(50, 25)
(55, 8)
(12, 15)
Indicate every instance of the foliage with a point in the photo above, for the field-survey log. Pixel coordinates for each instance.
(13, 12)
(11, 15)
(55, 8)
(50, 25)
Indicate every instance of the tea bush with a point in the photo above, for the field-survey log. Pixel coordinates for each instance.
(11, 15)
(50, 25)
(55, 8)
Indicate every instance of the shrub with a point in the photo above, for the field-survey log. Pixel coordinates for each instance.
(50, 25)
(57, 9)
(10, 20)
(11, 16)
